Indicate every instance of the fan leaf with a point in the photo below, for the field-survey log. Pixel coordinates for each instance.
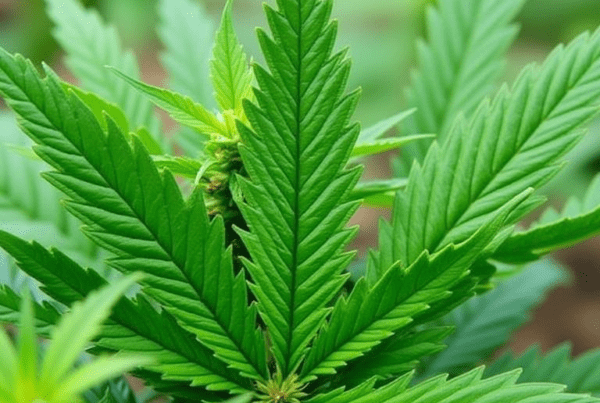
(139, 214)
(295, 152)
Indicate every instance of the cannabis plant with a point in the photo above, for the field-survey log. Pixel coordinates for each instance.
(243, 238)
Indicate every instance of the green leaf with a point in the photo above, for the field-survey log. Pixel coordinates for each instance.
(380, 129)
(247, 398)
(56, 381)
(366, 190)
(296, 153)
(458, 65)
(401, 354)
(469, 387)
(581, 374)
(10, 303)
(387, 144)
(180, 107)
(90, 46)
(183, 166)
(486, 322)
(372, 314)
(100, 106)
(512, 143)
(138, 214)
(364, 393)
(107, 398)
(229, 71)
(98, 371)
(75, 330)
(187, 33)
(134, 327)
(27, 345)
(579, 220)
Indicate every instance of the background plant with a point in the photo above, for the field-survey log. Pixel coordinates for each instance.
(277, 180)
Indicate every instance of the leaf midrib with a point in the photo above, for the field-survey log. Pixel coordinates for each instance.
(296, 210)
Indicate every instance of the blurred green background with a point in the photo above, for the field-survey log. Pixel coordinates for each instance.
(381, 35)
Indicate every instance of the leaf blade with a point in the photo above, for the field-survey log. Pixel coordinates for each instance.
(230, 74)
(295, 153)
(137, 213)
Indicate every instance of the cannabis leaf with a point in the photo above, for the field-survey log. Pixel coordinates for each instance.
(138, 214)
(579, 374)
(372, 314)
(24, 379)
(134, 327)
(187, 32)
(459, 64)
(467, 387)
(90, 46)
(180, 107)
(229, 69)
(513, 142)
(578, 220)
(295, 153)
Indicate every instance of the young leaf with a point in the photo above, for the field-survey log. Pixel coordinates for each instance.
(186, 167)
(20, 380)
(369, 189)
(484, 323)
(138, 214)
(181, 108)
(133, 327)
(187, 33)
(76, 329)
(579, 220)
(90, 46)
(387, 144)
(229, 71)
(295, 153)
(581, 375)
(380, 129)
(459, 64)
